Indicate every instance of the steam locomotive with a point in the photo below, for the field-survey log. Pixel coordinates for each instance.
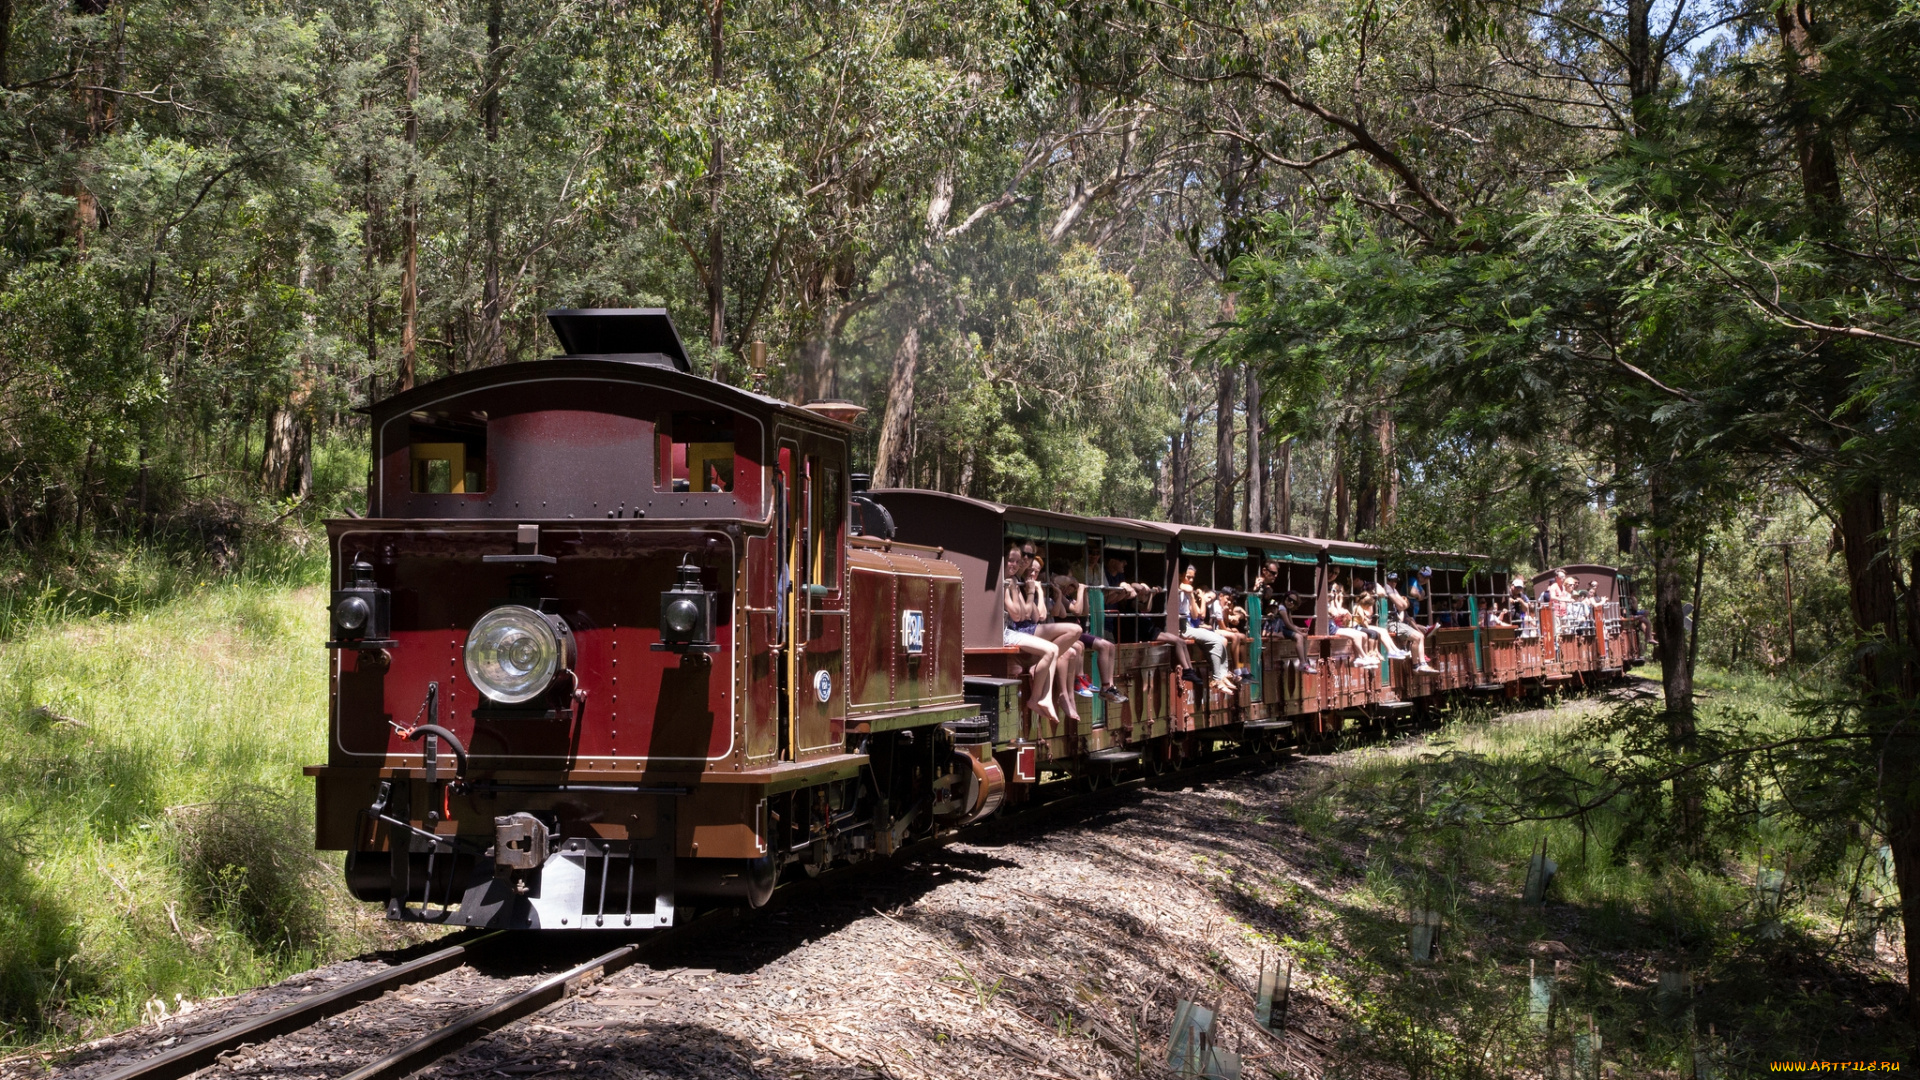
(613, 638)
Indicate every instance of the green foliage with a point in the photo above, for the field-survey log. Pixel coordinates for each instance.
(158, 829)
(1450, 824)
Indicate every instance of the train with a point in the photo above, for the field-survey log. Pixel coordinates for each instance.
(614, 641)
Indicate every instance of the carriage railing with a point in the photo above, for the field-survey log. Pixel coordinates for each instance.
(1574, 618)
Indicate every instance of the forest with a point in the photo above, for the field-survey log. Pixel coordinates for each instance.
(1550, 280)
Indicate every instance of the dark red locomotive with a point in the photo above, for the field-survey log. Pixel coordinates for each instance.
(594, 648)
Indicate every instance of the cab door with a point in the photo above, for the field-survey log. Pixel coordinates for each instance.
(813, 478)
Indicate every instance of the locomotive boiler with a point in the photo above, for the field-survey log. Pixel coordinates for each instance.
(603, 645)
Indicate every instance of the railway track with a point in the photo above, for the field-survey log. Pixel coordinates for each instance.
(497, 950)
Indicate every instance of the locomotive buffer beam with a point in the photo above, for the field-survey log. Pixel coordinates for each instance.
(529, 879)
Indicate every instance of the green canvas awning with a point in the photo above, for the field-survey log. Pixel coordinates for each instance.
(1120, 543)
(1066, 536)
(1228, 551)
(1021, 530)
(1153, 547)
(1347, 560)
(1305, 558)
(1194, 547)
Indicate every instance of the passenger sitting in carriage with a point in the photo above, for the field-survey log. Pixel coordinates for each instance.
(1347, 626)
(1127, 601)
(1398, 609)
(1070, 604)
(1269, 591)
(1064, 635)
(1023, 610)
(1364, 610)
(1280, 618)
(1193, 611)
(1230, 619)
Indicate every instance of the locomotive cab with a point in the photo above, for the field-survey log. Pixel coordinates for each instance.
(590, 647)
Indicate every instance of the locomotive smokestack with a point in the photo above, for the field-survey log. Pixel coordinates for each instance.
(635, 335)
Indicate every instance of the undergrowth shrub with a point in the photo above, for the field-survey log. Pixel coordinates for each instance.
(248, 860)
(38, 937)
(1646, 884)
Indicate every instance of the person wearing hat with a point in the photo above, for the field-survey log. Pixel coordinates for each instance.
(1518, 608)
(1398, 626)
(1420, 595)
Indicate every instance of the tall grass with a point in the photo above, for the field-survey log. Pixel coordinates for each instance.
(1816, 977)
(155, 829)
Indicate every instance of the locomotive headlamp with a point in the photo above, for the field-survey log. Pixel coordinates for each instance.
(686, 614)
(513, 652)
(359, 613)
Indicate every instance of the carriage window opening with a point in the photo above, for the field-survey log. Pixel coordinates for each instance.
(448, 453)
(829, 513)
(694, 452)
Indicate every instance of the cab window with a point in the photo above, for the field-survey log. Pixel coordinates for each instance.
(448, 453)
(694, 452)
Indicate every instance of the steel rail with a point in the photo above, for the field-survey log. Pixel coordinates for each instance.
(193, 1056)
(437, 1044)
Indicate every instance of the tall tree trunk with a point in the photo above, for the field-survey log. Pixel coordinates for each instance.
(94, 102)
(1284, 496)
(716, 171)
(1819, 165)
(1389, 476)
(493, 343)
(1340, 498)
(1886, 679)
(410, 226)
(1671, 581)
(893, 456)
(816, 352)
(368, 250)
(1326, 494)
(286, 465)
(6, 38)
(1224, 473)
(1366, 494)
(1643, 68)
(1669, 554)
(1180, 469)
(1259, 515)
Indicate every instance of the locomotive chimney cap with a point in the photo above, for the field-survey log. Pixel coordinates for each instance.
(635, 335)
(835, 409)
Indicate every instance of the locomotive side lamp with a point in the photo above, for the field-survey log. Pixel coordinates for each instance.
(360, 614)
(686, 614)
